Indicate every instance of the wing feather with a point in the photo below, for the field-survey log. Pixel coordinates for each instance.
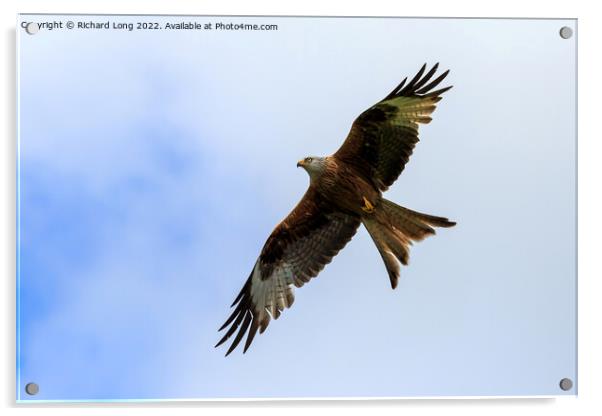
(296, 251)
(383, 137)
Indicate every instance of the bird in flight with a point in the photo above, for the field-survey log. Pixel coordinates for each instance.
(345, 191)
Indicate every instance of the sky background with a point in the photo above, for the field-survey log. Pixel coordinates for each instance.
(154, 164)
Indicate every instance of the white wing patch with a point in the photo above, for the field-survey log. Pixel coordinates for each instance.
(272, 294)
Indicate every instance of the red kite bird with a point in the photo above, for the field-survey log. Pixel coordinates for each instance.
(345, 191)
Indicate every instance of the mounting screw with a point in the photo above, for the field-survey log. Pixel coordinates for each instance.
(566, 32)
(566, 384)
(32, 389)
(32, 28)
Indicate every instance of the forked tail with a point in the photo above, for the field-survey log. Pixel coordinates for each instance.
(393, 228)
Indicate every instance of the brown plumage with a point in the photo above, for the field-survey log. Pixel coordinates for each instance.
(345, 191)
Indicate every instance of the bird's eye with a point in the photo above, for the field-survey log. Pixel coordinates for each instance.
(308, 159)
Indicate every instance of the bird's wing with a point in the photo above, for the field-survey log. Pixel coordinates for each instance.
(383, 137)
(297, 250)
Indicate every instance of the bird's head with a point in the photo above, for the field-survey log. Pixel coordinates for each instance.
(313, 165)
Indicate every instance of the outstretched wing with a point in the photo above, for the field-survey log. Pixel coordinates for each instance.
(297, 250)
(383, 137)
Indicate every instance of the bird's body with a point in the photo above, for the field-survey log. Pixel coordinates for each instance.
(342, 186)
(345, 191)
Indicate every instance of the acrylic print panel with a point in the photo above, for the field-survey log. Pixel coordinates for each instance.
(158, 153)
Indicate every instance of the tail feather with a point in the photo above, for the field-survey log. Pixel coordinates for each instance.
(415, 225)
(390, 260)
(401, 212)
(398, 244)
(393, 228)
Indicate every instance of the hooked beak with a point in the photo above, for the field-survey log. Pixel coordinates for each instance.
(301, 163)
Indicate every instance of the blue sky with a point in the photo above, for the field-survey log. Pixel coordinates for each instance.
(153, 166)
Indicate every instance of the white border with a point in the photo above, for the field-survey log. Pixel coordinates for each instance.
(590, 221)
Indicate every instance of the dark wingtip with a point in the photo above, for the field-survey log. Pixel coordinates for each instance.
(251, 335)
(439, 91)
(426, 88)
(394, 279)
(418, 84)
(232, 347)
(396, 89)
(227, 335)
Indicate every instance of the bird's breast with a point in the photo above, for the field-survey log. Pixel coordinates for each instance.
(345, 189)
